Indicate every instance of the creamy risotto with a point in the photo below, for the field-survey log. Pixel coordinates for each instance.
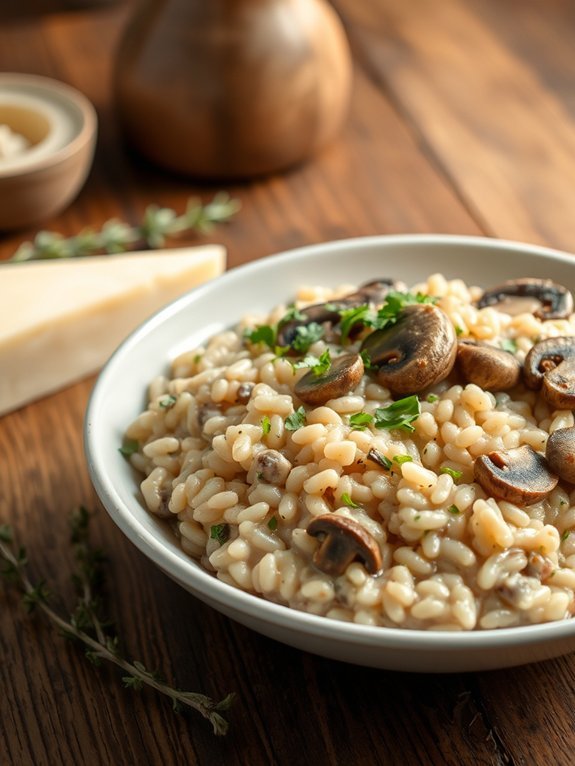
(385, 456)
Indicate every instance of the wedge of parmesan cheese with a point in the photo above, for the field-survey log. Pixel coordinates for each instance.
(61, 320)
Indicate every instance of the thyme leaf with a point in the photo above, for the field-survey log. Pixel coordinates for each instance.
(158, 225)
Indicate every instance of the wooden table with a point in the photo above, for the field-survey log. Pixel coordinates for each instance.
(463, 120)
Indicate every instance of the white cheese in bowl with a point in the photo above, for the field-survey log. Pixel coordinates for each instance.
(12, 144)
(61, 320)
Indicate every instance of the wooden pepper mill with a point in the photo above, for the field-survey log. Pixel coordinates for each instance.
(232, 88)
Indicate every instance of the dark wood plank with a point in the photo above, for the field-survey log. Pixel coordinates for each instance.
(498, 131)
(402, 163)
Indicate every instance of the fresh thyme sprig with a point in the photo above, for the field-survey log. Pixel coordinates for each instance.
(158, 224)
(86, 623)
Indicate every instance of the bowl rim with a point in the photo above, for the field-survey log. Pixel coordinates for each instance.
(205, 585)
(85, 135)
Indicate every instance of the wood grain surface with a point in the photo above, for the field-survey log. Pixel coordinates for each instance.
(462, 120)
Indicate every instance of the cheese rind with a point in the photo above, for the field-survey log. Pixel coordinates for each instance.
(61, 320)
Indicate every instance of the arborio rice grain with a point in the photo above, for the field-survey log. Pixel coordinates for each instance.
(452, 558)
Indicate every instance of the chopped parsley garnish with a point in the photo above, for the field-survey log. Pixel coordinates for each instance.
(264, 333)
(346, 500)
(508, 344)
(295, 420)
(167, 402)
(454, 510)
(356, 315)
(379, 458)
(306, 336)
(458, 330)
(565, 535)
(318, 365)
(395, 302)
(266, 424)
(292, 314)
(197, 358)
(400, 414)
(360, 420)
(431, 398)
(273, 523)
(129, 447)
(220, 532)
(367, 360)
(399, 459)
(455, 475)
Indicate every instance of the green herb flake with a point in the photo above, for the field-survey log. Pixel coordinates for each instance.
(455, 475)
(197, 358)
(360, 420)
(296, 419)
(379, 458)
(394, 304)
(454, 510)
(346, 500)
(306, 336)
(167, 402)
(273, 523)
(432, 398)
(220, 532)
(318, 365)
(565, 535)
(266, 425)
(508, 344)
(400, 459)
(262, 334)
(129, 447)
(350, 317)
(366, 359)
(399, 414)
(293, 314)
(417, 517)
(459, 330)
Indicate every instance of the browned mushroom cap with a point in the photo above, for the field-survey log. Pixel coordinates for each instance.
(490, 368)
(550, 365)
(416, 352)
(541, 297)
(321, 313)
(343, 376)
(560, 453)
(520, 475)
(343, 540)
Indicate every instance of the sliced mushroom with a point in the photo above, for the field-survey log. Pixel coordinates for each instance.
(550, 365)
(560, 453)
(519, 475)
(416, 352)
(373, 292)
(539, 566)
(244, 392)
(490, 368)
(207, 411)
(272, 467)
(343, 540)
(542, 297)
(519, 591)
(343, 376)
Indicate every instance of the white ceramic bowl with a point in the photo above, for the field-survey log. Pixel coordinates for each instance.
(119, 395)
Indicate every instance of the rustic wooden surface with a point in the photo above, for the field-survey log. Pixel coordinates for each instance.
(463, 120)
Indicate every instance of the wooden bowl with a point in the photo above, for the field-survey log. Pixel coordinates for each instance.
(57, 126)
